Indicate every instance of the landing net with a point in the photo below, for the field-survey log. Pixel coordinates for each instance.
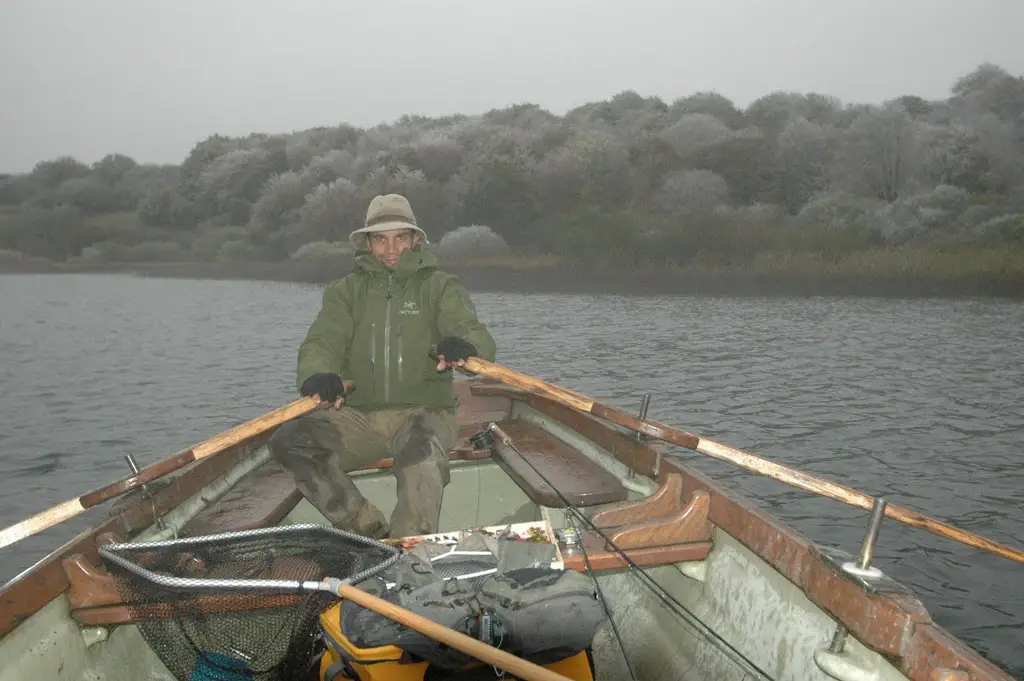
(240, 605)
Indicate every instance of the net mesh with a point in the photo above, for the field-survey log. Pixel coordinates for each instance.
(240, 605)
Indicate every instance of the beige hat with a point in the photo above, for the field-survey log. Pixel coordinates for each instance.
(386, 212)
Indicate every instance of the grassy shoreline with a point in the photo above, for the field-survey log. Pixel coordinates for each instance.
(886, 273)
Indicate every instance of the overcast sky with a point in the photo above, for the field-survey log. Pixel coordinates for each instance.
(150, 78)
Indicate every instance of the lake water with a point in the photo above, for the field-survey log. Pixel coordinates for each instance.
(919, 400)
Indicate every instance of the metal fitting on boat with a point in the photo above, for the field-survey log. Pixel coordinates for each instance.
(831, 660)
(947, 674)
(568, 536)
(94, 635)
(842, 668)
(146, 493)
(863, 567)
(645, 403)
(135, 469)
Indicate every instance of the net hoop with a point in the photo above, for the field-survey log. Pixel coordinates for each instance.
(112, 553)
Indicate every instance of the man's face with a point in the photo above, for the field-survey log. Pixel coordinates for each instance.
(388, 246)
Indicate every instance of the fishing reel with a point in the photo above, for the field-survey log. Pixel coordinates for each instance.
(483, 439)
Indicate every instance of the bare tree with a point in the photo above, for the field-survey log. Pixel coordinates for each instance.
(877, 155)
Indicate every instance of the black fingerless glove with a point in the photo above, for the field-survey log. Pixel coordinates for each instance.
(328, 386)
(455, 349)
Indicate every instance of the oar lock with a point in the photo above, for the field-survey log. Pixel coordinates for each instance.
(831, 660)
(147, 493)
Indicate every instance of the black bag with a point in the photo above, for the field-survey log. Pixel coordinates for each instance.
(544, 615)
(450, 603)
(533, 611)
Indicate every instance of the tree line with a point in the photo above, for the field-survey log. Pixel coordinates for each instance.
(629, 181)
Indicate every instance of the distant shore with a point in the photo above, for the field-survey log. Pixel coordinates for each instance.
(549, 277)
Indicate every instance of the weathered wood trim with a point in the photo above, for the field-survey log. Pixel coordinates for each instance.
(933, 653)
(88, 585)
(895, 624)
(688, 523)
(106, 615)
(657, 530)
(666, 500)
(650, 556)
(24, 595)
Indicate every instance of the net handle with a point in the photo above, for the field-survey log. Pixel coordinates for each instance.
(515, 666)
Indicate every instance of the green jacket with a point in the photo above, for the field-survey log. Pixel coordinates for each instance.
(377, 327)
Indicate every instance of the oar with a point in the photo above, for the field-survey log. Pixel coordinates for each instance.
(746, 460)
(218, 443)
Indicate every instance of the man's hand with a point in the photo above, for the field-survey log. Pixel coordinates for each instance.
(327, 389)
(453, 352)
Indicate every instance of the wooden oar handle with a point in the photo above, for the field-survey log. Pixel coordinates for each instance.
(516, 666)
(534, 385)
(218, 443)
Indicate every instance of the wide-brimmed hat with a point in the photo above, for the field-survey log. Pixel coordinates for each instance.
(386, 212)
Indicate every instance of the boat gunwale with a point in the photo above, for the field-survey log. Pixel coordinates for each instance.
(896, 625)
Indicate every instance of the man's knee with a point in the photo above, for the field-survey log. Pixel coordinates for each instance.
(284, 442)
(296, 446)
(424, 435)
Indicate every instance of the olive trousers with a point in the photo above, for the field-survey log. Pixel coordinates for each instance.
(322, 447)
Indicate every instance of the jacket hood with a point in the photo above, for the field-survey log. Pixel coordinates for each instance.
(412, 260)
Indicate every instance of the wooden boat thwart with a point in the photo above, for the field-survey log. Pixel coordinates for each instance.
(759, 600)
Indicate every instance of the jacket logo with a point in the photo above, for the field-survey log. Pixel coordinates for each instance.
(409, 307)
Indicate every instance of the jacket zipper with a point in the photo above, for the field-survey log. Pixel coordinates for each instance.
(399, 354)
(387, 342)
(373, 352)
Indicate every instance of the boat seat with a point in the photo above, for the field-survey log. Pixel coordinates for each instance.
(264, 497)
(580, 480)
(261, 499)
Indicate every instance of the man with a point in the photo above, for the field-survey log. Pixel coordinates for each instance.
(377, 327)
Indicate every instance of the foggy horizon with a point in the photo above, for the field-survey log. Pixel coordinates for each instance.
(88, 82)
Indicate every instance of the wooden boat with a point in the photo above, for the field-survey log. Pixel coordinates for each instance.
(760, 600)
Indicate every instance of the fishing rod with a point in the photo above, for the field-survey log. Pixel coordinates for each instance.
(724, 646)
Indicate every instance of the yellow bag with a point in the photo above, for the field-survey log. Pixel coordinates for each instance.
(343, 661)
